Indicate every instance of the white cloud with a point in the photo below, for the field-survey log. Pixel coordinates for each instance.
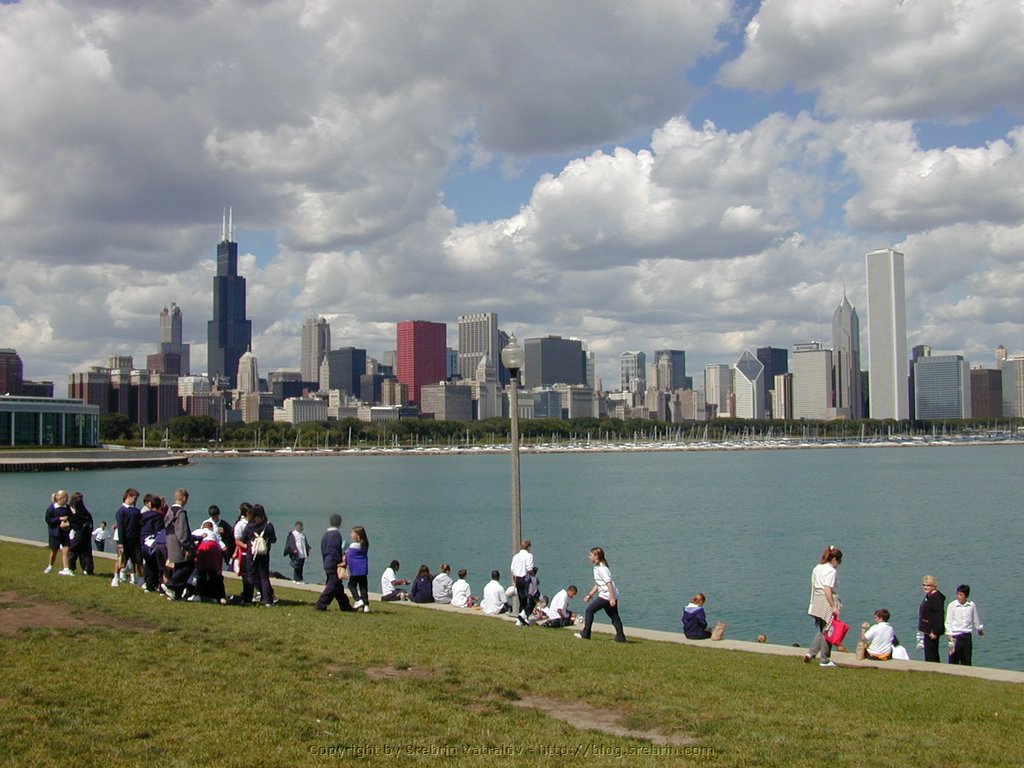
(951, 60)
(906, 188)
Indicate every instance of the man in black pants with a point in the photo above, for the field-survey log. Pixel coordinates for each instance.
(180, 547)
(332, 547)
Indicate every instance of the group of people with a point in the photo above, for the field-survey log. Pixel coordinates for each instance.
(878, 640)
(534, 608)
(159, 551)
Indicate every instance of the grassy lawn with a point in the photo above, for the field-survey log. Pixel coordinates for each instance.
(147, 681)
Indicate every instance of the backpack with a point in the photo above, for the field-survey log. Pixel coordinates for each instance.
(258, 545)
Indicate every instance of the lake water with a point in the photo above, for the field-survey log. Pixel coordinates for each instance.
(744, 527)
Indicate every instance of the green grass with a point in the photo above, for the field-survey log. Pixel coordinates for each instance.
(187, 684)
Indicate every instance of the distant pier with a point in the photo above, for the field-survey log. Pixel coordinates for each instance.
(87, 458)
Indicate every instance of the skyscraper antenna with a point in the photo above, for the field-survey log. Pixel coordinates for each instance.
(227, 227)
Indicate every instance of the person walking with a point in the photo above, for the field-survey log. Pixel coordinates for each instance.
(357, 556)
(825, 604)
(100, 537)
(332, 549)
(930, 615)
(607, 598)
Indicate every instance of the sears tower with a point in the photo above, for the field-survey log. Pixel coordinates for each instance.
(229, 334)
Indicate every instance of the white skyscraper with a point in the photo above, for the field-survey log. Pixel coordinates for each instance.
(248, 376)
(888, 388)
(316, 342)
(478, 338)
(718, 387)
(811, 382)
(748, 387)
(632, 368)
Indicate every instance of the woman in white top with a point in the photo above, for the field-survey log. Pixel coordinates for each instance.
(607, 597)
(825, 603)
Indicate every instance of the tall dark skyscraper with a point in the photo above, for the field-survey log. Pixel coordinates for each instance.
(775, 362)
(229, 334)
(553, 360)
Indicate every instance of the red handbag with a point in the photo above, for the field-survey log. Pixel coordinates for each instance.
(836, 631)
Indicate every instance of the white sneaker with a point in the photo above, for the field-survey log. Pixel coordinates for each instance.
(828, 663)
(47, 569)
(358, 604)
(65, 572)
(366, 609)
(114, 582)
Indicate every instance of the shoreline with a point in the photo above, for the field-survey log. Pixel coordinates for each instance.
(576, 447)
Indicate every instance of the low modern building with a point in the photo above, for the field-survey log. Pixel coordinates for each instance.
(447, 402)
(26, 421)
(942, 387)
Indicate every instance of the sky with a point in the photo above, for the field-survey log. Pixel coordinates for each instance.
(702, 175)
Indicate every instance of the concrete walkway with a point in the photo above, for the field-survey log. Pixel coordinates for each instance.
(654, 635)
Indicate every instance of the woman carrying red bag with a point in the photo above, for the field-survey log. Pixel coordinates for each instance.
(825, 604)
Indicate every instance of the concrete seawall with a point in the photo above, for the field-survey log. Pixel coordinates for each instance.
(87, 458)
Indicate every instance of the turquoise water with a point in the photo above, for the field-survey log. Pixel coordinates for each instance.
(744, 527)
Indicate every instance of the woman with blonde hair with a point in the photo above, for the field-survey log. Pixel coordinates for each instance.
(931, 617)
(58, 524)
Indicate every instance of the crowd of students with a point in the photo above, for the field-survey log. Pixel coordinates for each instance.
(158, 550)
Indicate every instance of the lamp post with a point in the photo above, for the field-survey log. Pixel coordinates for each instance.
(512, 357)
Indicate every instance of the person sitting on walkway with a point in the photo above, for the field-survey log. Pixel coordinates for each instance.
(495, 597)
(462, 596)
(390, 584)
(695, 622)
(878, 639)
(422, 586)
(557, 613)
(441, 587)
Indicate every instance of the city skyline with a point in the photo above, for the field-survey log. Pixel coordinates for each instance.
(712, 195)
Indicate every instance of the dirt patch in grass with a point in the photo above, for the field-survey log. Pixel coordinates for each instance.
(587, 717)
(396, 673)
(17, 612)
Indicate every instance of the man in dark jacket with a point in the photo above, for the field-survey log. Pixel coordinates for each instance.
(127, 520)
(332, 547)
